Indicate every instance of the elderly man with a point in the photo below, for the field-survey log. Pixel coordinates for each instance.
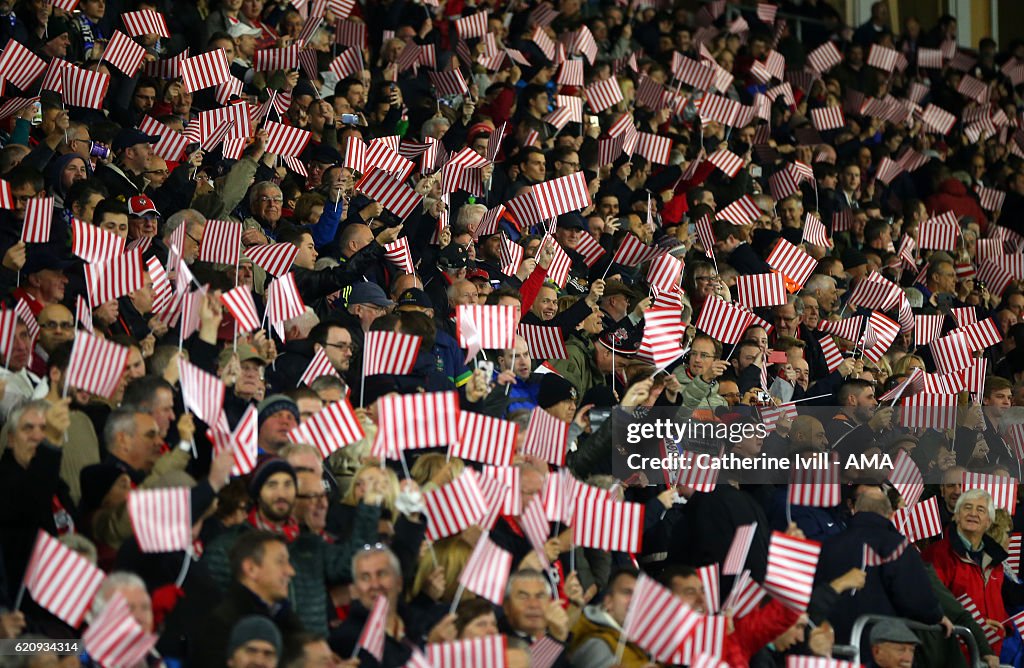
(969, 561)
(133, 442)
(265, 203)
(899, 587)
(32, 495)
(530, 612)
(20, 383)
(823, 290)
(195, 224)
(893, 644)
(43, 279)
(132, 589)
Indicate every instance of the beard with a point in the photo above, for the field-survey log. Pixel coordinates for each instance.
(269, 511)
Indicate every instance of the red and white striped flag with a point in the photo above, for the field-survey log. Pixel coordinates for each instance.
(275, 259)
(240, 303)
(1003, 490)
(757, 290)
(485, 439)
(727, 161)
(662, 336)
(38, 218)
(319, 366)
(474, 25)
(883, 57)
(161, 519)
(740, 212)
(374, 632)
(510, 500)
(486, 652)
(657, 620)
(817, 487)
(19, 66)
(701, 479)
(201, 392)
(603, 94)
(114, 638)
(981, 335)
(390, 353)
(907, 478)
(1013, 553)
(222, 240)
(412, 421)
(544, 652)
(83, 313)
(285, 58)
(534, 523)
(561, 195)
(828, 118)
(938, 119)
(991, 634)
(664, 274)
(487, 327)
(544, 342)
(607, 524)
(454, 507)
(393, 195)
(951, 352)
(928, 411)
(919, 521)
(243, 442)
(654, 148)
(84, 88)
(96, 365)
(205, 70)
(939, 233)
(744, 597)
(171, 145)
(791, 566)
(487, 571)
(283, 302)
(738, 550)
(448, 83)
(399, 254)
(795, 264)
(331, 428)
(285, 140)
(824, 58)
(347, 63)
(511, 255)
(546, 438)
(991, 199)
(833, 356)
(61, 580)
(815, 232)
(145, 22)
(723, 321)
(632, 252)
(124, 53)
(709, 578)
(116, 278)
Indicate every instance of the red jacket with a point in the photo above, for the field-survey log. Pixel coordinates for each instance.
(962, 576)
(755, 630)
(953, 196)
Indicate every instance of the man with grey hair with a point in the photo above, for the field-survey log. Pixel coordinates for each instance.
(969, 562)
(530, 611)
(435, 127)
(787, 317)
(133, 589)
(823, 289)
(265, 204)
(899, 587)
(195, 224)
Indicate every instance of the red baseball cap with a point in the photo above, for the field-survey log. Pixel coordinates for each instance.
(140, 205)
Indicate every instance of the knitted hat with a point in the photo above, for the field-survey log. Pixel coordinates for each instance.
(276, 403)
(253, 627)
(269, 467)
(554, 389)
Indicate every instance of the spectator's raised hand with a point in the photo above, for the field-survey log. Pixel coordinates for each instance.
(186, 427)
(58, 419)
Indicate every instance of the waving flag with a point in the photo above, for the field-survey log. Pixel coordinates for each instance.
(35, 228)
(61, 580)
(795, 264)
(124, 53)
(487, 571)
(907, 478)
(374, 632)
(1002, 490)
(331, 428)
(758, 290)
(390, 353)
(205, 70)
(114, 638)
(96, 365)
(485, 439)
(283, 302)
(240, 303)
(791, 566)
(738, 550)
(413, 421)
(632, 252)
(607, 524)
(118, 277)
(19, 66)
(486, 327)
(662, 341)
(84, 88)
(656, 620)
(243, 441)
(393, 195)
(486, 652)
(454, 507)
(547, 437)
(919, 521)
(161, 519)
(275, 259)
(723, 321)
(815, 487)
(201, 392)
(319, 366)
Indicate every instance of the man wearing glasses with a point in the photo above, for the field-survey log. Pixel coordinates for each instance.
(56, 326)
(699, 377)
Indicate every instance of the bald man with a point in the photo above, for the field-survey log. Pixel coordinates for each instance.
(56, 326)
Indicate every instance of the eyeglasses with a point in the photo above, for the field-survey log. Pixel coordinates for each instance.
(54, 324)
(344, 346)
(312, 497)
(267, 200)
(198, 241)
(376, 547)
(705, 279)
